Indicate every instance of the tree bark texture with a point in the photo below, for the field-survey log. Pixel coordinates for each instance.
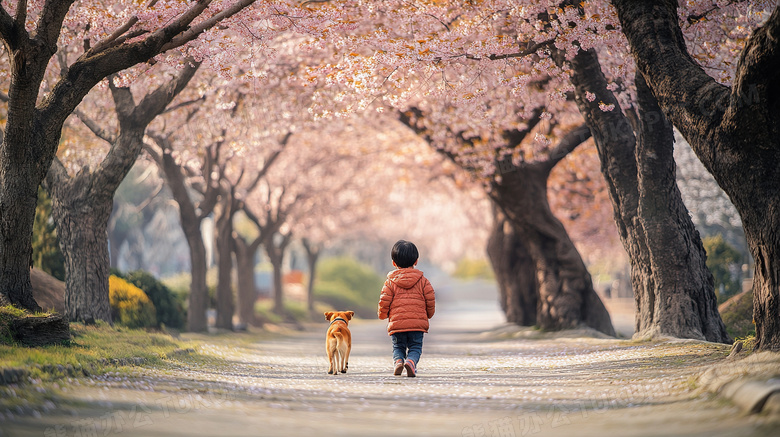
(673, 288)
(566, 296)
(735, 131)
(514, 271)
(80, 210)
(41, 331)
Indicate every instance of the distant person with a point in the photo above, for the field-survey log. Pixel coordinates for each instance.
(408, 301)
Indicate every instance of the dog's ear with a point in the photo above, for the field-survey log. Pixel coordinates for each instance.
(328, 315)
(350, 314)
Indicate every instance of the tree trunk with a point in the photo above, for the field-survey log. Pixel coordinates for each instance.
(199, 293)
(276, 263)
(275, 248)
(312, 256)
(225, 300)
(247, 291)
(81, 212)
(683, 303)
(18, 196)
(514, 271)
(566, 296)
(735, 131)
(191, 225)
(673, 288)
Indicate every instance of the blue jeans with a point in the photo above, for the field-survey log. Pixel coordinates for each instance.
(407, 345)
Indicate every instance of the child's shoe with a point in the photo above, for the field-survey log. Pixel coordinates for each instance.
(399, 367)
(410, 369)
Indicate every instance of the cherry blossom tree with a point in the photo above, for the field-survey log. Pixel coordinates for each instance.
(729, 120)
(105, 41)
(563, 295)
(213, 178)
(82, 203)
(465, 51)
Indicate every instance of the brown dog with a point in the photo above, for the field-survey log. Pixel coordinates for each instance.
(338, 340)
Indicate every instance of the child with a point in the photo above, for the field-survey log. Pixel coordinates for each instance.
(408, 301)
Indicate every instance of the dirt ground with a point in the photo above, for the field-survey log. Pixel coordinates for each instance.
(477, 377)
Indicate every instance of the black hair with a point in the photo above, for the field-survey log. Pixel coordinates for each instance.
(404, 254)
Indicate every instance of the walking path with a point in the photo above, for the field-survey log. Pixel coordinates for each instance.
(505, 382)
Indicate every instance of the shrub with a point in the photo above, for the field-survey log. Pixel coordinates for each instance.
(721, 259)
(468, 269)
(169, 308)
(347, 284)
(129, 304)
(339, 297)
(737, 315)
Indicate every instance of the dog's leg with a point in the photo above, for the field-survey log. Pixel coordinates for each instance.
(339, 360)
(346, 360)
(342, 357)
(329, 347)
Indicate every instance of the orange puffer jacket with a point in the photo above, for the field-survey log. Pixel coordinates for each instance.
(407, 300)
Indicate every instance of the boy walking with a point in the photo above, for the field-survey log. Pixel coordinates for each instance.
(408, 301)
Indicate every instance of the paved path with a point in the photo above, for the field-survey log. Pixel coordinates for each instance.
(470, 384)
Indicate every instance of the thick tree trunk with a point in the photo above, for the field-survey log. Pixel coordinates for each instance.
(735, 131)
(514, 271)
(566, 296)
(18, 196)
(673, 288)
(247, 291)
(81, 215)
(683, 302)
(225, 299)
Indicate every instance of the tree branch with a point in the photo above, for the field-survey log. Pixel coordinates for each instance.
(756, 76)
(155, 102)
(195, 31)
(50, 22)
(113, 39)
(21, 12)
(95, 127)
(6, 26)
(184, 104)
(568, 143)
(691, 98)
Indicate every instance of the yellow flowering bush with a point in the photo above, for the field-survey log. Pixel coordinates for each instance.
(129, 304)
